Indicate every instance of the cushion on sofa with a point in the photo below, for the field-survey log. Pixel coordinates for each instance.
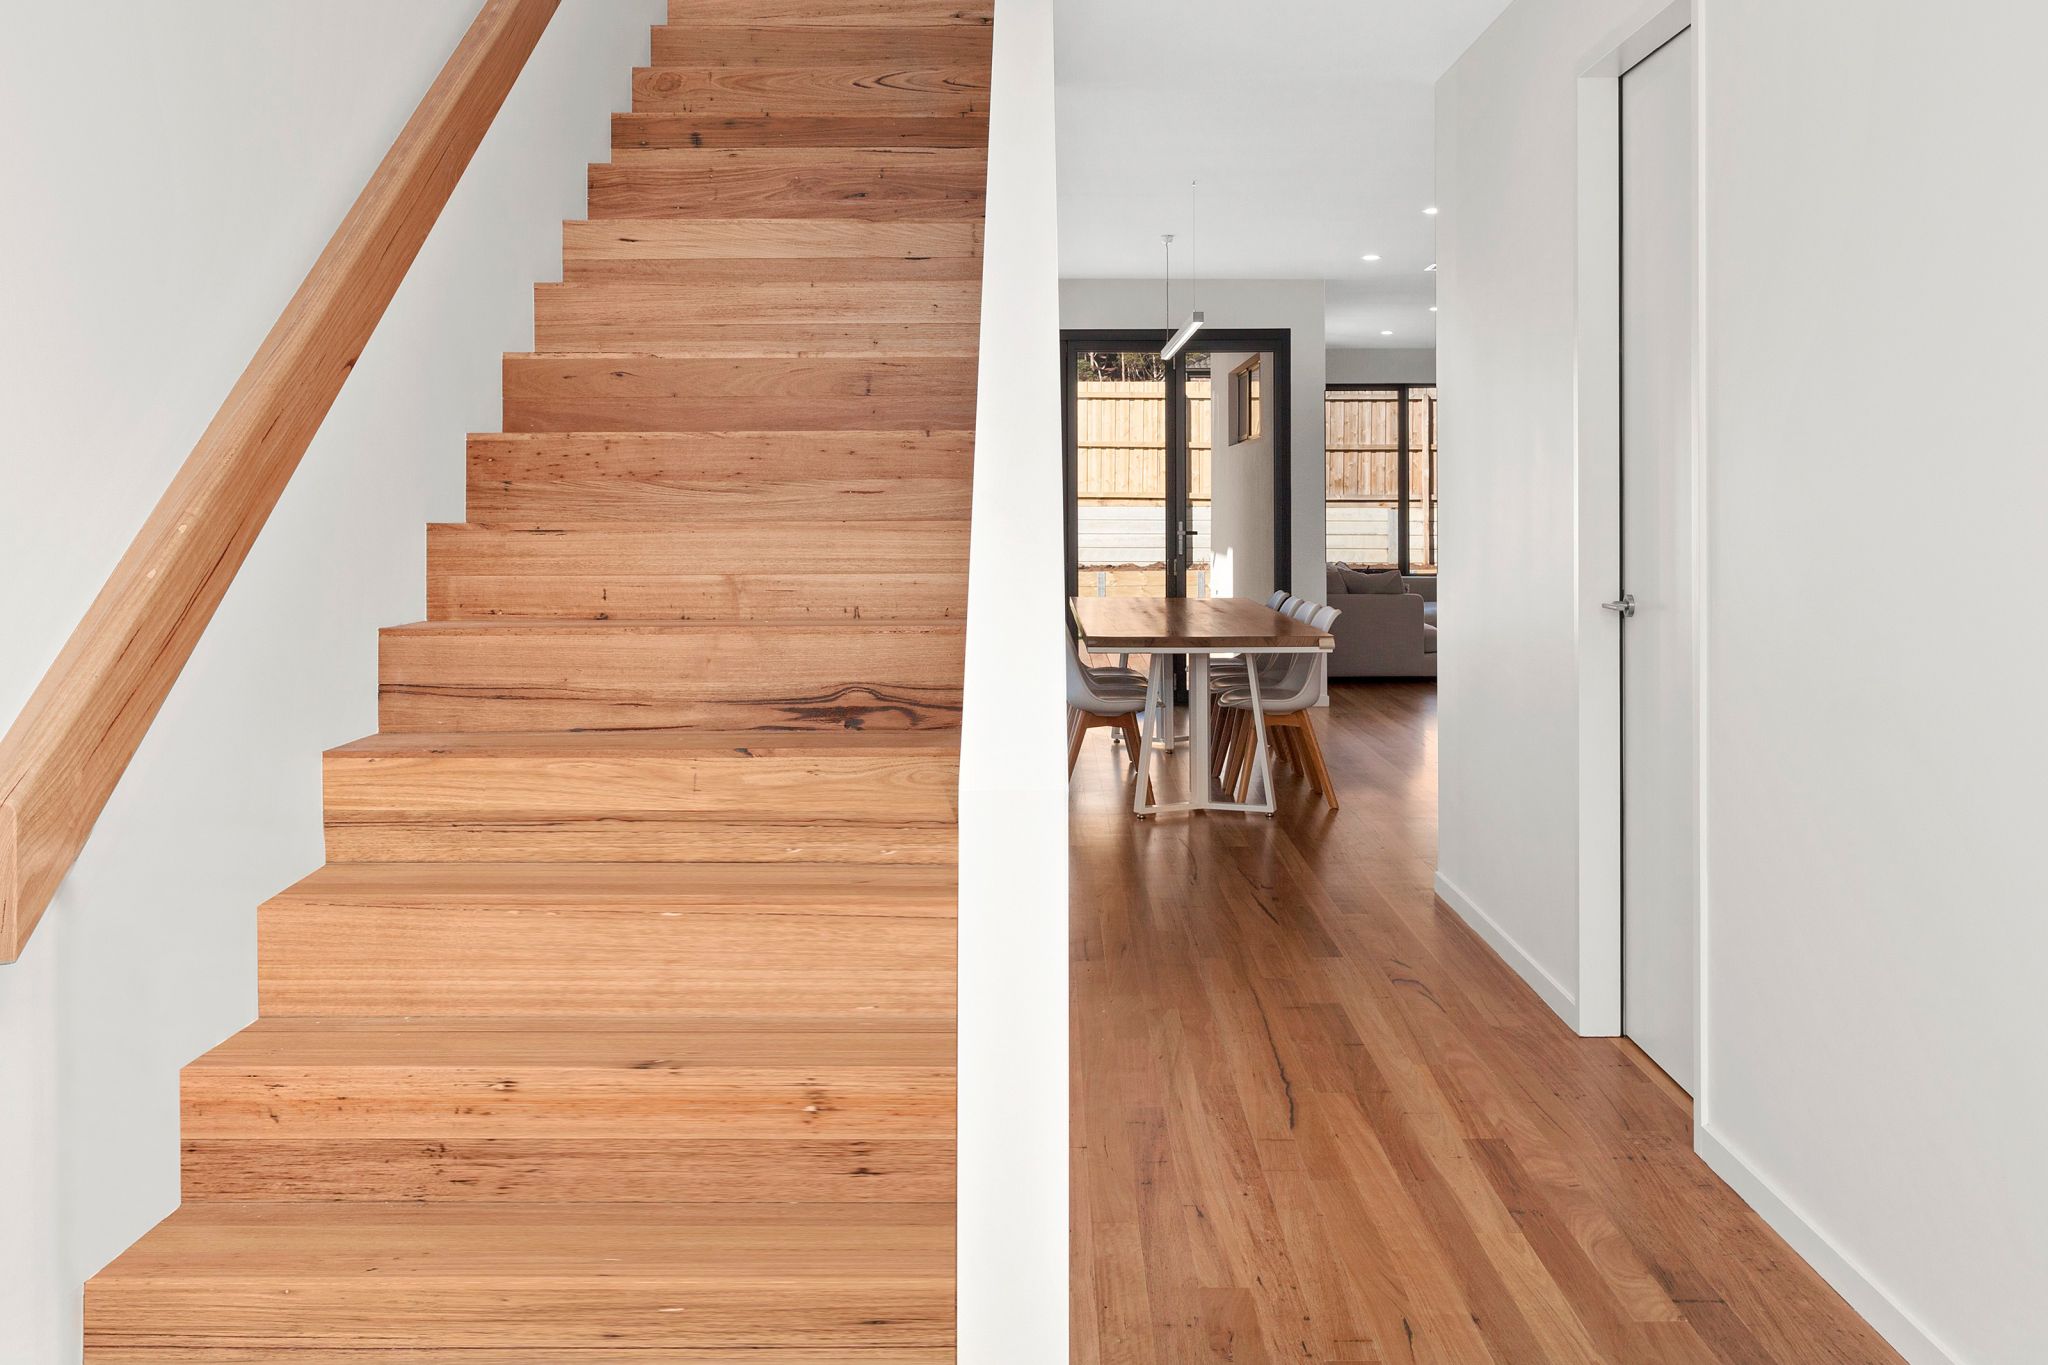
(1429, 639)
(1374, 581)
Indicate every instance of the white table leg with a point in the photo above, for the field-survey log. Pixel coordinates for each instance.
(1147, 728)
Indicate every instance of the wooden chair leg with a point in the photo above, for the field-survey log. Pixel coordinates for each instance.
(1288, 728)
(1234, 762)
(1077, 727)
(1249, 758)
(1128, 727)
(1315, 756)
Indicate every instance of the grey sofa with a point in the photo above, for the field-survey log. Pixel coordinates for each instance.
(1384, 634)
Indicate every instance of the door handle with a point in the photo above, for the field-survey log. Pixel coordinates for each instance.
(1624, 608)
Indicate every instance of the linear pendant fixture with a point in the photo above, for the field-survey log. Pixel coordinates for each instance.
(1179, 340)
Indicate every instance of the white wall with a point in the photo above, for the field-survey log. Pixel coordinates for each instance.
(1508, 755)
(169, 174)
(1240, 540)
(1013, 779)
(1356, 365)
(1874, 740)
(1296, 305)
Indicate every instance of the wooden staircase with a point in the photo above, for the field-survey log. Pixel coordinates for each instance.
(619, 1025)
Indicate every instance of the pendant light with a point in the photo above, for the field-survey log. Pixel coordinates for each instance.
(1181, 338)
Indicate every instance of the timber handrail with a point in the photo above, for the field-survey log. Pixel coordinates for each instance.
(68, 748)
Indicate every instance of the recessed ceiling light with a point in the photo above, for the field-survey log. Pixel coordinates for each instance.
(1431, 267)
(1432, 308)
(1431, 210)
(1369, 256)
(1386, 334)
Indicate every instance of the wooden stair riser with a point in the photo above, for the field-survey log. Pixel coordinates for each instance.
(538, 1312)
(584, 393)
(934, 319)
(751, 802)
(939, 94)
(624, 1170)
(744, 247)
(600, 961)
(455, 1283)
(586, 676)
(779, 571)
(833, 13)
(788, 45)
(722, 597)
(655, 132)
(705, 479)
(887, 185)
(573, 1096)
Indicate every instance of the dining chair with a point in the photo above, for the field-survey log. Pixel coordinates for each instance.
(1286, 709)
(1093, 703)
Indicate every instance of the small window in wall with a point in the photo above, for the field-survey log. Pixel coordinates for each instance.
(1246, 418)
(1381, 481)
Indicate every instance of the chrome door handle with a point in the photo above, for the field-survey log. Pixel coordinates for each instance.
(1624, 608)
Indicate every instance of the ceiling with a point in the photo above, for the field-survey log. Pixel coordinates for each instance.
(1308, 124)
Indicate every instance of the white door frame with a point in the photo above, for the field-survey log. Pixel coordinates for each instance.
(1598, 477)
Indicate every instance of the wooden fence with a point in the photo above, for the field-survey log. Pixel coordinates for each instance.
(1121, 441)
(1121, 471)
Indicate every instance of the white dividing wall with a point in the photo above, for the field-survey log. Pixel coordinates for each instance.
(1358, 365)
(1296, 305)
(1013, 778)
(1874, 739)
(1239, 543)
(169, 173)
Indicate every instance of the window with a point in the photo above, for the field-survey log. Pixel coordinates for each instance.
(1244, 402)
(1380, 484)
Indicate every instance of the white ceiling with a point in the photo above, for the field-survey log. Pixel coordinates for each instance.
(1307, 122)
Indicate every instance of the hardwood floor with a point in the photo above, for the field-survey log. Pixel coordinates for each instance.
(1315, 1119)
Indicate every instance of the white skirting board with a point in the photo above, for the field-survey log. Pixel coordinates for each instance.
(1501, 941)
(1878, 1308)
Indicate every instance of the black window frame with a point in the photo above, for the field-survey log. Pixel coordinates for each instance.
(1404, 395)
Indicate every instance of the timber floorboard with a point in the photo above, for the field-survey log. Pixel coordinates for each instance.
(1315, 1119)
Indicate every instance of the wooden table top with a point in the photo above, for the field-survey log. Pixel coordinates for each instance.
(1131, 625)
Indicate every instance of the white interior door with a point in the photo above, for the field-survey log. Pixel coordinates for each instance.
(1659, 704)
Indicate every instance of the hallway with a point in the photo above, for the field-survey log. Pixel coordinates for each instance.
(1315, 1119)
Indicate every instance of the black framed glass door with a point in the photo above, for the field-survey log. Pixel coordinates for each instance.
(1139, 455)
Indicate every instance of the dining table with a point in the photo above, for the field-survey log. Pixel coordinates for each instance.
(1197, 629)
